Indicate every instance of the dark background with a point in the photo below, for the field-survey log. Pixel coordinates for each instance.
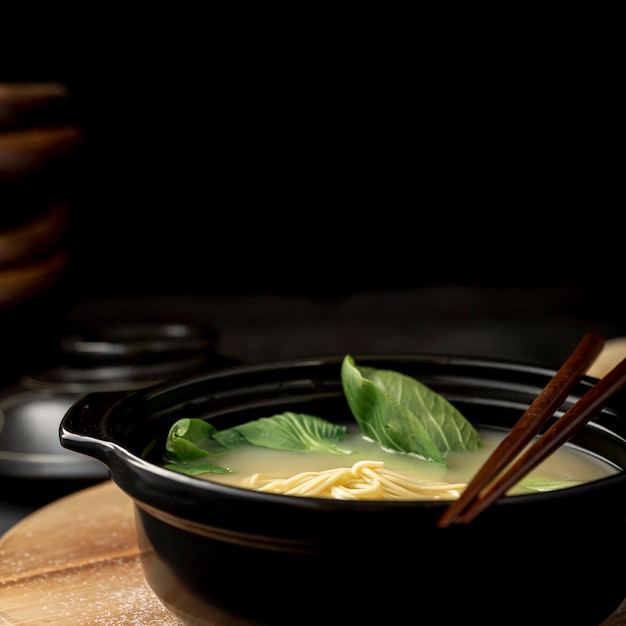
(261, 170)
(323, 184)
(483, 187)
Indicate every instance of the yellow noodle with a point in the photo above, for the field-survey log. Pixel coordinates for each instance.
(365, 480)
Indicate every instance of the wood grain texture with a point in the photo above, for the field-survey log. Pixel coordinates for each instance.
(29, 150)
(76, 562)
(28, 104)
(32, 279)
(32, 239)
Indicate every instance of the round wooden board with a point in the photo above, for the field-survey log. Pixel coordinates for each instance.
(75, 562)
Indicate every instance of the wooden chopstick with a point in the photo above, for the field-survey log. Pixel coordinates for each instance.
(471, 501)
(561, 431)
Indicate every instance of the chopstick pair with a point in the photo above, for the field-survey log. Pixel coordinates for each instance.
(479, 494)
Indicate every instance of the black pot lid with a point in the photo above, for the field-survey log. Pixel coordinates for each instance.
(110, 357)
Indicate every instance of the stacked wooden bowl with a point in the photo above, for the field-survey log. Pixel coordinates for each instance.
(37, 143)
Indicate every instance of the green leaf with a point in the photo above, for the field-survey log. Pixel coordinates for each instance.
(403, 414)
(287, 431)
(191, 438)
(194, 468)
(549, 485)
(229, 438)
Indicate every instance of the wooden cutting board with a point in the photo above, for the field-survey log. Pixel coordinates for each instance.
(76, 562)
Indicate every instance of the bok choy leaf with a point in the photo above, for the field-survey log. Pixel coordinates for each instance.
(287, 431)
(403, 414)
(190, 439)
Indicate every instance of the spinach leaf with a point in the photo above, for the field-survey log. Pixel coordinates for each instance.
(403, 414)
(287, 431)
(191, 438)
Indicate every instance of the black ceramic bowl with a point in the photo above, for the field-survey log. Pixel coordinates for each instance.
(216, 554)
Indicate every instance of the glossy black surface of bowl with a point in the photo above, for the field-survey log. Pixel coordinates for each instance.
(216, 554)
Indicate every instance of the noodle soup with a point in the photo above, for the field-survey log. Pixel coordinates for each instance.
(370, 472)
